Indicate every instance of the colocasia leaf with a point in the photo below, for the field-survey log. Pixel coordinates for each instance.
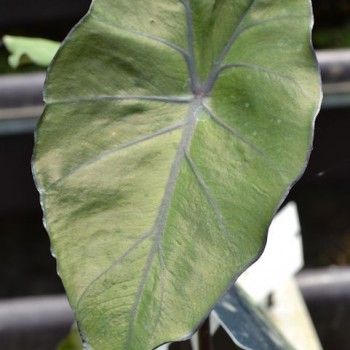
(172, 131)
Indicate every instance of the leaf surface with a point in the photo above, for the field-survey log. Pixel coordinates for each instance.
(172, 131)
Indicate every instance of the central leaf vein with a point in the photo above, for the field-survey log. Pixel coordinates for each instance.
(160, 223)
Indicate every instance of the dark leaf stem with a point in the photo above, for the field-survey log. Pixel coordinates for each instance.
(204, 338)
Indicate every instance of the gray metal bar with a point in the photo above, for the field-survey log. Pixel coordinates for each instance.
(325, 283)
(21, 90)
(38, 323)
(327, 296)
(21, 102)
(335, 71)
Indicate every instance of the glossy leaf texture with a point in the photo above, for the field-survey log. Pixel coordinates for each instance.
(172, 131)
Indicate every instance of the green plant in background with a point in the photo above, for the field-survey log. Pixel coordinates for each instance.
(172, 132)
(72, 341)
(25, 50)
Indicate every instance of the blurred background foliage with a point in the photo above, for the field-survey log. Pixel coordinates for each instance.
(332, 24)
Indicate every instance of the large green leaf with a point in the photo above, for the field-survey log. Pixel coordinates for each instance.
(172, 131)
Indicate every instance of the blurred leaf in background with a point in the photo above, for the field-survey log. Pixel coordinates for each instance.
(25, 50)
(73, 340)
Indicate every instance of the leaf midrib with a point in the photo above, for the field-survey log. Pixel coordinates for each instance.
(195, 104)
(189, 127)
(160, 224)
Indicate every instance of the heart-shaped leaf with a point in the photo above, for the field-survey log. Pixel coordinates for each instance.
(172, 131)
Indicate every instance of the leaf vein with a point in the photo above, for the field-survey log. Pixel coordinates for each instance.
(258, 23)
(160, 222)
(191, 62)
(163, 41)
(258, 68)
(114, 150)
(212, 203)
(146, 35)
(217, 65)
(162, 289)
(139, 291)
(235, 133)
(168, 99)
(114, 264)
